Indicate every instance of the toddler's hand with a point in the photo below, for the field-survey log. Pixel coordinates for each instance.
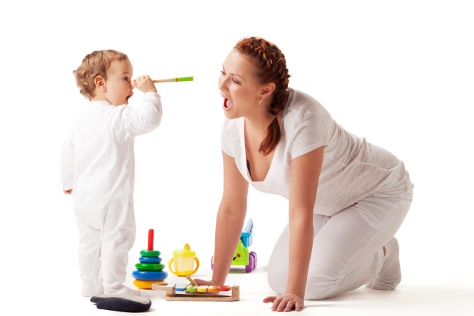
(68, 191)
(144, 84)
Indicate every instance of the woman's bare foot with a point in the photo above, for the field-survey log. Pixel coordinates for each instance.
(390, 275)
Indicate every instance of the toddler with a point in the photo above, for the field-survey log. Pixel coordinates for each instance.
(98, 167)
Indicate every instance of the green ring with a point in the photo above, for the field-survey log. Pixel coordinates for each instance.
(150, 266)
(150, 253)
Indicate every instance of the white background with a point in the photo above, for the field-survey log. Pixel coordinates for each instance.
(399, 73)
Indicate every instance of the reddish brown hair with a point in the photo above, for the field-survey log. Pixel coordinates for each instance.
(93, 65)
(271, 67)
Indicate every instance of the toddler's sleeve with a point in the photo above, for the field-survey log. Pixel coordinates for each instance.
(67, 163)
(311, 133)
(142, 120)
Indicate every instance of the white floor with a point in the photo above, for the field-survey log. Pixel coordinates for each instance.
(412, 297)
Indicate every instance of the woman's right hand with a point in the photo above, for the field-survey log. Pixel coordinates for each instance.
(204, 282)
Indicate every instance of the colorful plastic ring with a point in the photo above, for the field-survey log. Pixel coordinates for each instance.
(149, 259)
(150, 266)
(142, 284)
(150, 253)
(149, 275)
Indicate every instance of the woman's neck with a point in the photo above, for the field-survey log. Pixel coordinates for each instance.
(259, 123)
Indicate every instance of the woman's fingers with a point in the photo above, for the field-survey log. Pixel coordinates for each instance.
(289, 305)
(298, 306)
(282, 304)
(276, 302)
(201, 282)
(269, 299)
(204, 282)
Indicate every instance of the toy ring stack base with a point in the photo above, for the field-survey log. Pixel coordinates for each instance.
(143, 284)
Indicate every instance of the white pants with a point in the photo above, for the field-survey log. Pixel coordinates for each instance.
(347, 247)
(103, 253)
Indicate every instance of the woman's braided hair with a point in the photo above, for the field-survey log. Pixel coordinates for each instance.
(271, 65)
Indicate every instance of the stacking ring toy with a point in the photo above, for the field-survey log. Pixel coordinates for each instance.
(150, 253)
(142, 284)
(149, 259)
(149, 275)
(149, 266)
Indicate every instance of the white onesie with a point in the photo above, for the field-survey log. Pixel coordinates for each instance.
(98, 164)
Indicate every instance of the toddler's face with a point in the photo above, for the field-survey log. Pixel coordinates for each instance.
(119, 82)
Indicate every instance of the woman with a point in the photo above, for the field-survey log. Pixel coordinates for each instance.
(347, 197)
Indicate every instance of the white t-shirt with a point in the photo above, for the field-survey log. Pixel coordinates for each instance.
(352, 168)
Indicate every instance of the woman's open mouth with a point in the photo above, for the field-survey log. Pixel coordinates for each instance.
(227, 104)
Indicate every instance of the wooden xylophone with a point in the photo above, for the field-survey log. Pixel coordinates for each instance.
(193, 292)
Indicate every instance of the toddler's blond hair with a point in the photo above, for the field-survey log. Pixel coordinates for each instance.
(93, 65)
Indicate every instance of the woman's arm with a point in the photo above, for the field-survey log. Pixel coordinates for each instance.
(305, 172)
(230, 220)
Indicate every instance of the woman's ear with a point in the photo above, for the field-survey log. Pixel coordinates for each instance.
(100, 83)
(267, 90)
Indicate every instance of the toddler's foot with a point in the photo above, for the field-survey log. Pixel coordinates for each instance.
(125, 290)
(390, 275)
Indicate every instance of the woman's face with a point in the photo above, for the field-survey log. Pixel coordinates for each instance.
(239, 86)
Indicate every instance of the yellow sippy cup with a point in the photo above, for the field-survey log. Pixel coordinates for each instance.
(183, 261)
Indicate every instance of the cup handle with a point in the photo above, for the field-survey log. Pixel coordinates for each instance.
(169, 266)
(197, 261)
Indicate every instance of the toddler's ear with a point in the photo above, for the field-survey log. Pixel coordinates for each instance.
(100, 83)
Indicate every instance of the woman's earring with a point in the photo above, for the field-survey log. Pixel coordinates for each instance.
(260, 101)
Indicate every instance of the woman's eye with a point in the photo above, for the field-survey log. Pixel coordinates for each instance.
(222, 72)
(235, 81)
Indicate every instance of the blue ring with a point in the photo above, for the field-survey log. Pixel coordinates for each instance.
(150, 275)
(149, 259)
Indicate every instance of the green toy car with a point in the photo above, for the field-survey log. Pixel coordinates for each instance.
(242, 256)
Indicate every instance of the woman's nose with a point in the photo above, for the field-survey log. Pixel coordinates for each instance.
(222, 84)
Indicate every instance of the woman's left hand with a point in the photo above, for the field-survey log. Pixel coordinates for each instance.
(285, 302)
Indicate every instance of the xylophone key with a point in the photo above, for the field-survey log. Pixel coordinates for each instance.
(180, 287)
(224, 288)
(191, 289)
(213, 288)
(202, 288)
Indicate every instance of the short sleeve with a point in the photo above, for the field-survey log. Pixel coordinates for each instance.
(311, 133)
(225, 139)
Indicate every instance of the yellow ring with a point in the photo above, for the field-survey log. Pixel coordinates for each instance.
(142, 284)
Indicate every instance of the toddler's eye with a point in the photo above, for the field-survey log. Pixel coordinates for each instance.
(126, 79)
